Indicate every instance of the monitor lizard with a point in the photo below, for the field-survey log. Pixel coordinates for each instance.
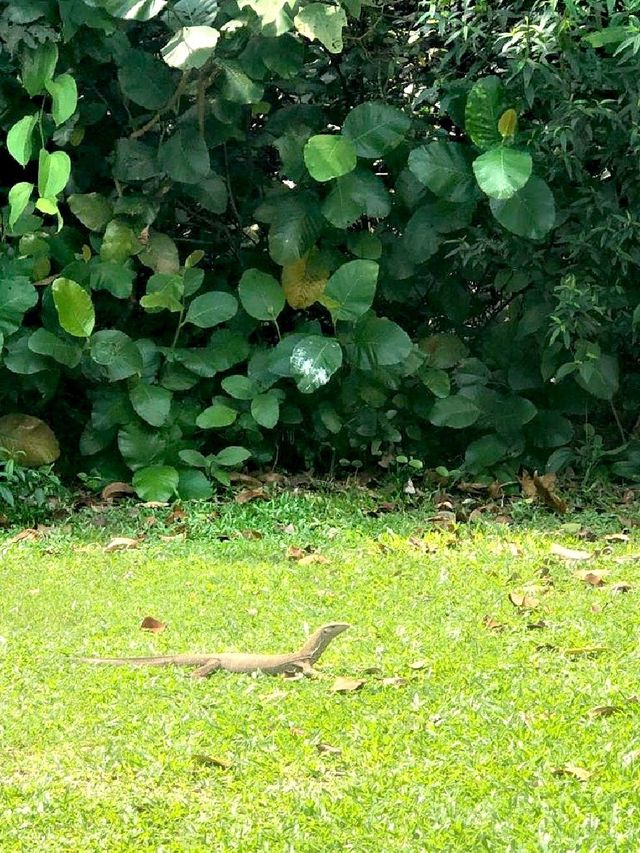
(300, 661)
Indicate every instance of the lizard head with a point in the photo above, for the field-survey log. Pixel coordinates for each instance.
(320, 639)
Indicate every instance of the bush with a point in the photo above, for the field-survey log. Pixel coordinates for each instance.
(312, 231)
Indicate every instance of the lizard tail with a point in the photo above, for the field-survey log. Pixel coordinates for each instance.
(160, 660)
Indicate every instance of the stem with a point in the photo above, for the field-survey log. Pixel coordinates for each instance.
(232, 199)
(178, 329)
(618, 423)
(171, 103)
(275, 323)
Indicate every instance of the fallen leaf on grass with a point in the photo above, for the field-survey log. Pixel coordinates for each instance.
(604, 711)
(270, 477)
(289, 529)
(295, 553)
(594, 578)
(212, 761)
(342, 684)
(544, 488)
(25, 535)
(395, 681)
(312, 560)
(523, 601)
(122, 543)
(444, 519)
(251, 534)
(116, 490)
(247, 479)
(251, 495)
(381, 509)
(419, 664)
(492, 624)
(154, 504)
(177, 514)
(621, 586)
(155, 626)
(327, 749)
(532, 626)
(570, 769)
(569, 553)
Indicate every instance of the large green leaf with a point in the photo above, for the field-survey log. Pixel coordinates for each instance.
(156, 483)
(456, 412)
(211, 309)
(261, 295)
(38, 65)
(238, 87)
(295, 227)
(360, 193)
(351, 289)
(190, 47)
(599, 376)
(484, 453)
(265, 409)
(135, 161)
(185, 156)
(217, 416)
(64, 95)
(375, 128)
(445, 168)
(314, 360)
(145, 80)
(92, 209)
(530, 213)
(240, 387)
(164, 292)
(117, 353)
(46, 343)
(141, 447)
(135, 10)
(28, 440)
(151, 402)
(420, 240)
(328, 157)
(75, 310)
(53, 172)
(115, 278)
(17, 296)
(379, 342)
(324, 23)
(120, 241)
(486, 102)
(18, 198)
(500, 173)
(20, 139)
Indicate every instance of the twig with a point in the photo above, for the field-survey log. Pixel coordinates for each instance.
(171, 103)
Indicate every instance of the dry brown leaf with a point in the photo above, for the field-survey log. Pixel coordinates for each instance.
(593, 578)
(251, 534)
(596, 608)
(327, 749)
(570, 554)
(503, 519)
(544, 488)
(395, 681)
(492, 624)
(289, 529)
(25, 535)
(213, 761)
(419, 664)
(251, 495)
(270, 477)
(177, 514)
(532, 626)
(122, 543)
(313, 559)
(155, 626)
(381, 509)
(295, 553)
(444, 519)
(154, 504)
(570, 769)
(523, 601)
(247, 479)
(621, 586)
(343, 684)
(604, 711)
(116, 490)
(527, 485)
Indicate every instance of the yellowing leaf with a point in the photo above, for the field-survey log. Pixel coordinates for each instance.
(569, 553)
(508, 123)
(304, 281)
(122, 543)
(524, 602)
(570, 769)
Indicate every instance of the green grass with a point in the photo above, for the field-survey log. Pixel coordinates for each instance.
(460, 758)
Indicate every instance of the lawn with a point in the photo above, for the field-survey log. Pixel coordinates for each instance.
(515, 732)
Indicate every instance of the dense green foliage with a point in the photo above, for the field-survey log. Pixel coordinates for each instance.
(315, 232)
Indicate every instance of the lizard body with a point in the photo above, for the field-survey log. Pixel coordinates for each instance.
(300, 661)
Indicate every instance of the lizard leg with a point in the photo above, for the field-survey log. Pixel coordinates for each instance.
(207, 669)
(307, 669)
